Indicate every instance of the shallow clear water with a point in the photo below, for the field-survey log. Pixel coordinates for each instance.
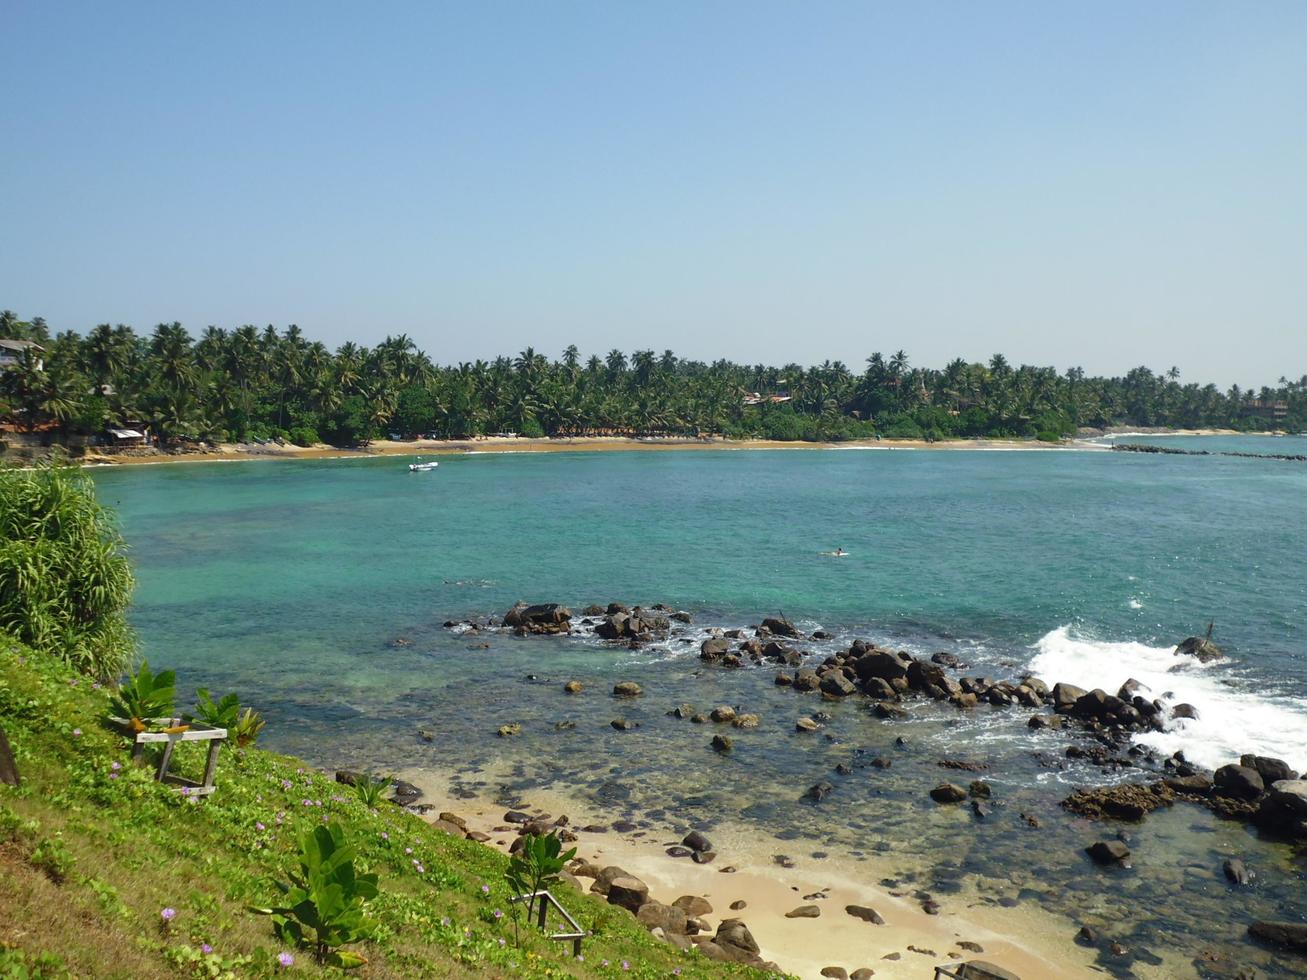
(291, 582)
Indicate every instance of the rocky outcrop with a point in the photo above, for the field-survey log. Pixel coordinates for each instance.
(1108, 852)
(1239, 782)
(1125, 801)
(1283, 810)
(1201, 648)
(1290, 935)
(542, 618)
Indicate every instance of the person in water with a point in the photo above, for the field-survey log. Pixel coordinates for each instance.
(839, 552)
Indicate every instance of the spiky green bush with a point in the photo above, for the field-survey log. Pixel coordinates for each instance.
(65, 582)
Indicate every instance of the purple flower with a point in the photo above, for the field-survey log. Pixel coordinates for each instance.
(502, 943)
(498, 914)
(206, 949)
(259, 825)
(444, 920)
(485, 889)
(385, 836)
(285, 784)
(113, 775)
(186, 791)
(285, 959)
(77, 733)
(115, 766)
(95, 685)
(168, 914)
(625, 965)
(421, 870)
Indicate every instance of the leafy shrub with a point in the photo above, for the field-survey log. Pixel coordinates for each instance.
(145, 696)
(222, 714)
(64, 582)
(247, 728)
(369, 790)
(302, 435)
(535, 867)
(323, 908)
(52, 857)
(904, 429)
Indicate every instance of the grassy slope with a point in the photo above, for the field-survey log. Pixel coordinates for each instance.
(90, 855)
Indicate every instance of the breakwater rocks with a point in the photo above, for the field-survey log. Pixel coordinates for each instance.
(1171, 451)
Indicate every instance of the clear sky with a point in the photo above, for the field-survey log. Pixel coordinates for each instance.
(1101, 184)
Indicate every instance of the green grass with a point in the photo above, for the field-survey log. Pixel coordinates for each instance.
(92, 850)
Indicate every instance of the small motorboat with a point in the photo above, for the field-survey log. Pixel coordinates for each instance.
(422, 467)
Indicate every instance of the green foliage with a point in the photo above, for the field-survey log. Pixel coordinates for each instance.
(245, 732)
(145, 696)
(52, 857)
(369, 790)
(303, 435)
(323, 906)
(65, 583)
(535, 867)
(222, 714)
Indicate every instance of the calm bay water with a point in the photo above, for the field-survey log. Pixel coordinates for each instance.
(292, 581)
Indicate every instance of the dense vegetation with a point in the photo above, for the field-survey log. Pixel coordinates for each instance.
(263, 383)
(64, 581)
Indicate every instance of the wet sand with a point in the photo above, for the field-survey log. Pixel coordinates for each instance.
(1025, 940)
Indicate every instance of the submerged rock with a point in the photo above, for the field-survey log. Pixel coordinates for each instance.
(948, 793)
(1108, 852)
(1292, 935)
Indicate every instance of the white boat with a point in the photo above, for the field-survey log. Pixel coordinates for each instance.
(422, 467)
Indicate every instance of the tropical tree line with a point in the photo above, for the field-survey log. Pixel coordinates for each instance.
(252, 383)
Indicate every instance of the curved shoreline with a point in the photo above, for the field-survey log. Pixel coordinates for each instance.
(1031, 942)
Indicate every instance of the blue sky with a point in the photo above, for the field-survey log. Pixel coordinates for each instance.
(1094, 184)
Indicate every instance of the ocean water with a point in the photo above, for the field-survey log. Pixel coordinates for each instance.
(318, 590)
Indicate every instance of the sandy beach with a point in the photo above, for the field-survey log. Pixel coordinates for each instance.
(492, 445)
(1027, 941)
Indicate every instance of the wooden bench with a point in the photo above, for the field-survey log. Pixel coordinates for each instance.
(196, 731)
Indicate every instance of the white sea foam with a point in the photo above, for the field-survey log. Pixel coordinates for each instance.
(1231, 721)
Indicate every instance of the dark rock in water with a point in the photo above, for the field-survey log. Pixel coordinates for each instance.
(722, 743)
(624, 725)
(1125, 801)
(1235, 872)
(946, 660)
(837, 685)
(573, 687)
(819, 791)
(1240, 782)
(714, 648)
(681, 711)
(980, 790)
(1108, 852)
(806, 725)
(681, 616)
(844, 769)
(884, 709)
(613, 626)
(722, 713)
(806, 680)
(1292, 935)
(547, 617)
(746, 721)
(1271, 770)
(780, 627)
(980, 810)
(1284, 809)
(1200, 648)
(865, 913)
(948, 793)
(592, 610)
(1044, 721)
(627, 689)
(623, 826)
(1066, 695)
(1184, 710)
(696, 841)
(784, 680)
(1087, 936)
(1197, 784)
(881, 763)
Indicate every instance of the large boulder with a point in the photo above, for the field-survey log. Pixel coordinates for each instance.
(1239, 782)
(733, 934)
(544, 617)
(883, 664)
(1271, 770)
(834, 683)
(1201, 648)
(948, 793)
(1283, 810)
(714, 648)
(1292, 935)
(613, 626)
(780, 627)
(1108, 852)
(630, 893)
(655, 915)
(605, 877)
(1066, 695)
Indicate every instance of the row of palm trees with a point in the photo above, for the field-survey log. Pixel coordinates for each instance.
(251, 382)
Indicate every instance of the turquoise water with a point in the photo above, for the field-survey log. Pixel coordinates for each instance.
(292, 581)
